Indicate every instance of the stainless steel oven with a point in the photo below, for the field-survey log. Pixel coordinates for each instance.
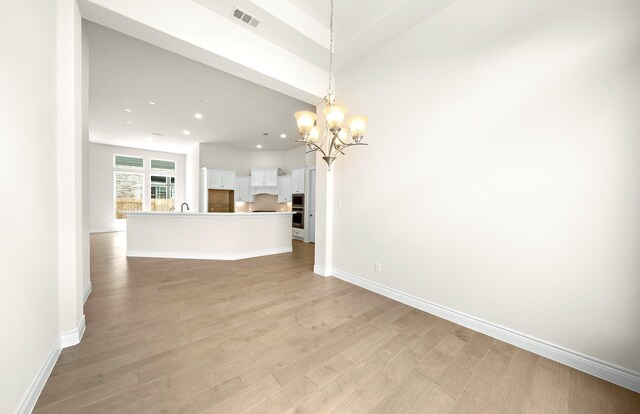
(297, 200)
(297, 219)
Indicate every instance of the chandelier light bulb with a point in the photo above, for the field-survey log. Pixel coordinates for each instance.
(343, 136)
(357, 125)
(305, 120)
(314, 134)
(335, 115)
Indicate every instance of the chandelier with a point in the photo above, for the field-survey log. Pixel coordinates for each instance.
(334, 138)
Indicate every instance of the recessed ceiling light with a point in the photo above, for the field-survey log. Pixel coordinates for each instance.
(128, 110)
(129, 122)
(258, 146)
(283, 135)
(151, 102)
(149, 138)
(198, 116)
(207, 101)
(186, 132)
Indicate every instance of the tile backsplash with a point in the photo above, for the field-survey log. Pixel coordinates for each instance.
(264, 202)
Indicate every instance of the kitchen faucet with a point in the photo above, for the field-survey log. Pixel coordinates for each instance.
(182, 205)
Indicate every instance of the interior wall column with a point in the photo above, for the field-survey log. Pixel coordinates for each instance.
(69, 171)
(324, 219)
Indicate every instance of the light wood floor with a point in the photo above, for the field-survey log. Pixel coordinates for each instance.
(267, 336)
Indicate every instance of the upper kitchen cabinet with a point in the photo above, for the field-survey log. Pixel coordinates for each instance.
(243, 189)
(221, 179)
(264, 177)
(297, 181)
(284, 189)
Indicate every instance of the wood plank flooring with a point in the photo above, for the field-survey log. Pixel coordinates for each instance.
(266, 335)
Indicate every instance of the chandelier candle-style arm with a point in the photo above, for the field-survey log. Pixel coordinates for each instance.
(313, 147)
(334, 135)
(335, 146)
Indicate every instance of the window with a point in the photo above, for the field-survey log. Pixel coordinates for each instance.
(128, 193)
(122, 161)
(160, 165)
(163, 192)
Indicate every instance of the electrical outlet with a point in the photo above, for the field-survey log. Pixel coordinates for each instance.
(378, 268)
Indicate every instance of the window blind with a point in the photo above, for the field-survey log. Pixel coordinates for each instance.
(163, 165)
(129, 162)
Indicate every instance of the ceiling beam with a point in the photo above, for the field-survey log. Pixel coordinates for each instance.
(193, 31)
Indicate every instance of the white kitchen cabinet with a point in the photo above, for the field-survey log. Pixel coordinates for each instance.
(284, 189)
(243, 189)
(297, 181)
(297, 233)
(220, 179)
(264, 177)
(228, 179)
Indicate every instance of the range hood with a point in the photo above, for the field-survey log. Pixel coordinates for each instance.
(265, 180)
(264, 190)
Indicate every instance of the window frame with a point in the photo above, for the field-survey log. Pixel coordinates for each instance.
(113, 204)
(167, 185)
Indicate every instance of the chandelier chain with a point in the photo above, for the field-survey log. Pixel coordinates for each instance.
(334, 139)
(330, 92)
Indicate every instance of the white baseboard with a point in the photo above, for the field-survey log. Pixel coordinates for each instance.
(208, 256)
(29, 401)
(319, 270)
(593, 366)
(73, 337)
(86, 293)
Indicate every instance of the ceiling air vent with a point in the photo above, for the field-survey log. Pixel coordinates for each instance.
(246, 18)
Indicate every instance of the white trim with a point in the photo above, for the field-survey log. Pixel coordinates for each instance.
(208, 256)
(73, 337)
(86, 293)
(106, 230)
(319, 270)
(596, 367)
(30, 399)
(191, 214)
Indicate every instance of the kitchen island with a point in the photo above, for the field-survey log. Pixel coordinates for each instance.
(215, 236)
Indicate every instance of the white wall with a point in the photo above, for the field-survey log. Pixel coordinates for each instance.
(295, 157)
(192, 177)
(504, 135)
(86, 242)
(29, 282)
(267, 159)
(214, 156)
(101, 176)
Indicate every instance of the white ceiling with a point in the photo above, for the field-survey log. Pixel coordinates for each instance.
(361, 26)
(126, 73)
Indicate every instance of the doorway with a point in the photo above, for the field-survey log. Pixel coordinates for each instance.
(311, 206)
